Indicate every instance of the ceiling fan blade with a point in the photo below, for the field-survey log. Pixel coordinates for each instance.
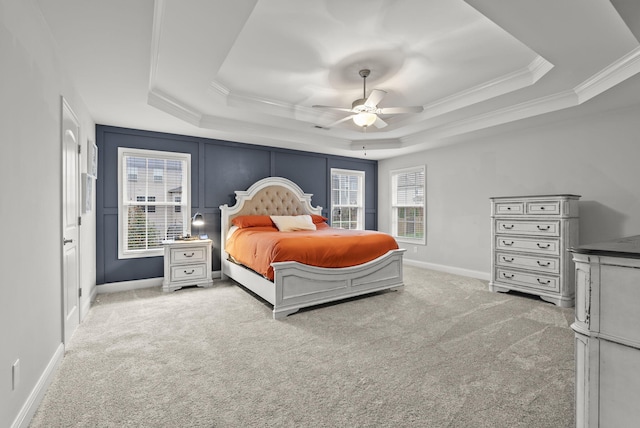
(375, 97)
(379, 123)
(400, 110)
(344, 119)
(333, 108)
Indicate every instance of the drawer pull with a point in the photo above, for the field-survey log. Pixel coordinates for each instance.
(507, 227)
(188, 255)
(543, 282)
(506, 259)
(508, 276)
(544, 228)
(507, 243)
(543, 246)
(189, 273)
(543, 264)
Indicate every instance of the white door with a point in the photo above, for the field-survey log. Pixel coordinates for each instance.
(70, 213)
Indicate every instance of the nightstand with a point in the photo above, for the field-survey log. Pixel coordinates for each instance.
(187, 263)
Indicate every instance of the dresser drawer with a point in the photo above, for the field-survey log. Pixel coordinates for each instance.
(531, 245)
(538, 228)
(543, 207)
(187, 255)
(542, 264)
(528, 280)
(509, 208)
(189, 272)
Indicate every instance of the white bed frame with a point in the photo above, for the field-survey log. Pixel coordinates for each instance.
(296, 285)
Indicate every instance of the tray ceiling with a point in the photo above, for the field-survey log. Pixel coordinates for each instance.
(251, 71)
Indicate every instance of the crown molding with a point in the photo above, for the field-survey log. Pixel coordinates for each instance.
(156, 35)
(510, 82)
(609, 76)
(168, 104)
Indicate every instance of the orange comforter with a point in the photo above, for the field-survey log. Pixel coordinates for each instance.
(258, 247)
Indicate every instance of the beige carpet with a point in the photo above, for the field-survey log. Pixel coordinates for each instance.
(442, 352)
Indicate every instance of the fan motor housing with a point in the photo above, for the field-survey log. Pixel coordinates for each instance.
(358, 106)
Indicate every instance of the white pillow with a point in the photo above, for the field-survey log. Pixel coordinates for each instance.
(290, 223)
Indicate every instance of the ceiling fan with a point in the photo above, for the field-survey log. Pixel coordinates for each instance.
(365, 111)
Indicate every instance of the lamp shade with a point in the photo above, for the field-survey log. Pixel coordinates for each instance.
(197, 220)
(364, 119)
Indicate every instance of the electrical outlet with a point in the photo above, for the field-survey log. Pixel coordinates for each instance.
(15, 374)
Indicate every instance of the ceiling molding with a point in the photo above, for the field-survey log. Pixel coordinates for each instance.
(156, 35)
(219, 88)
(523, 110)
(493, 88)
(158, 99)
(610, 76)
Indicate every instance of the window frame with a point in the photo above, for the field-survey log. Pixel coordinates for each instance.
(360, 205)
(170, 204)
(393, 175)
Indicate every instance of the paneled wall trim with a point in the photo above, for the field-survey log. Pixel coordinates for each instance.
(218, 168)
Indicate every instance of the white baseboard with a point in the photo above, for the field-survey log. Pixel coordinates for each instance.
(449, 269)
(37, 394)
(115, 287)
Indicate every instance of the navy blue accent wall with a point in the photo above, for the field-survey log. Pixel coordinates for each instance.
(218, 169)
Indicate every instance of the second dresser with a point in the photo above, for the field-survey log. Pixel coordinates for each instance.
(530, 236)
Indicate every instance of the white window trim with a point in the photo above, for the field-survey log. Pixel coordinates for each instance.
(361, 194)
(122, 223)
(394, 213)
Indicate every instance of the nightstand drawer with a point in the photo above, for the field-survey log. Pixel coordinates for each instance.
(529, 280)
(542, 264)
(189, 272)
(539, 228)
(188, 255)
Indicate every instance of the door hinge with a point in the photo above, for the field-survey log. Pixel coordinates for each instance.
(79, 292)
(79, 220)
(79, 149)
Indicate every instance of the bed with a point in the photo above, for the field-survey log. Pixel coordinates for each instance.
(296, 285)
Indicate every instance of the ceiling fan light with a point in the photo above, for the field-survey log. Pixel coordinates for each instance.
(364, 119)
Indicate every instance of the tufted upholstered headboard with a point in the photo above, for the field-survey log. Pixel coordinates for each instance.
(273, 200)
(269, 196)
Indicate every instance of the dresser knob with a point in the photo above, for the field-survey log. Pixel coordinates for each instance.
(543, 282)
(507, 227)
(543, 246)
(543, 264)
(507, 243)
(189, 273)
(508, 276)
(543, 228)
(507, 260)
(188, 255)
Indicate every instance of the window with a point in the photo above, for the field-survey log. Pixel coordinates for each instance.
(408, 204)
(347, 199)
(132, 173)
(158, 174)
(151, 210)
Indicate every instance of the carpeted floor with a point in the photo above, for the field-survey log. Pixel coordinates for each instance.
(441, 352)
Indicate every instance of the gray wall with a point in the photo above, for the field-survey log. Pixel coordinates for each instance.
(218, 168)
(33, 80)
(595, 156)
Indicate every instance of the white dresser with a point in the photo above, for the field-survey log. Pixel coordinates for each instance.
(187, 263)
(607, 334)
(530, 236)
